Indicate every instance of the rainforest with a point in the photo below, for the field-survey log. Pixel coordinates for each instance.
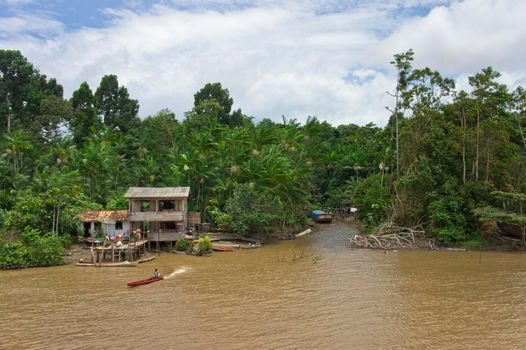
(448, 160)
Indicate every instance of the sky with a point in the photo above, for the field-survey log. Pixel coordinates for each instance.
(325, 58)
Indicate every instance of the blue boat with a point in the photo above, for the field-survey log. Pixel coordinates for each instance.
(321, 216)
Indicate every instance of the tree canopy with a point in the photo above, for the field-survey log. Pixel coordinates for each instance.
(444, 153)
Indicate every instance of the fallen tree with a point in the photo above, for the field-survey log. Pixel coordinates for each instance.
(390, 236)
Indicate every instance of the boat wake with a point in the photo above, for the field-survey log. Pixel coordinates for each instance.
(176, 272)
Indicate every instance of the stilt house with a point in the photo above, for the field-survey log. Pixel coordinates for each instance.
(161, 212)
(108, 222)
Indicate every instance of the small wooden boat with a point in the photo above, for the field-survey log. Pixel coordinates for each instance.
(321, 216)
(110, 264)
(222, 248)
(146, 259)
(510, 230)
(146, 281)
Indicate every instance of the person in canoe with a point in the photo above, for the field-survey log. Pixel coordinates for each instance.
(156, 273)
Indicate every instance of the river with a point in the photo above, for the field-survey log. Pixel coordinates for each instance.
(332, 298)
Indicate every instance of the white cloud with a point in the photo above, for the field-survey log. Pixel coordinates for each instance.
(292, 59)
(467, 35)
(27, 24)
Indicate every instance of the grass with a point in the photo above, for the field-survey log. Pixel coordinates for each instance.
(473, 241)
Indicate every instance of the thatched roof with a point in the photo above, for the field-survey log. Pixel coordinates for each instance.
(157, 192)
(106, 216)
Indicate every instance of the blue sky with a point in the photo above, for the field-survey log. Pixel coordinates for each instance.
(74, 14)
(295, 58)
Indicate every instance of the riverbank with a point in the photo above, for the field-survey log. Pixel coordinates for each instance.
(390, 237)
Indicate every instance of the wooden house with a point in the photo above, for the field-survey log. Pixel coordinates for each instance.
(108, 222)
(162, 212)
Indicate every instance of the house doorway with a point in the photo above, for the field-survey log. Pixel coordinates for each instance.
(87, 227)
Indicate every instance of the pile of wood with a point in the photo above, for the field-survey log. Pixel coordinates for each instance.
(390, 236)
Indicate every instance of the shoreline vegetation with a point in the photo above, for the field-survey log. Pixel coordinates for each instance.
(448, 161)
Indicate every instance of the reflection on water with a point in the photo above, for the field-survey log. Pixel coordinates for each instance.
(260, 299)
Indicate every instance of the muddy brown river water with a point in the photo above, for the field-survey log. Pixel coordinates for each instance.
(333, 298)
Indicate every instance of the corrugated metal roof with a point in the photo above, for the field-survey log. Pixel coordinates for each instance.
(106, 216)
(157, 192)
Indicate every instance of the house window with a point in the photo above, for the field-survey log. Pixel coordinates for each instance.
(168, 226)
(118, 225)
(167, 205)
(145, 206)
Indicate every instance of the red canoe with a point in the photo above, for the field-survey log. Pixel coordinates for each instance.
(146, 281)
(222, 248)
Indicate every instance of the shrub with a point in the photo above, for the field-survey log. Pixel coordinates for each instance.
(372, 200)
(33, 249)
(474, 241)
(13, 255)
(251, 212)
(221, 219)
(205, 244)
(201, 246)
(182, 245)
(446, 213)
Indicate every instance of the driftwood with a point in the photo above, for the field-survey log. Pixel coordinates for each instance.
(390, 236)
(303, 233)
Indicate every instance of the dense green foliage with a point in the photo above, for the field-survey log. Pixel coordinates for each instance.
(182, 245)
(512, 211)
(440, 156)
(249, 211)
(201, 246)
(32, 249)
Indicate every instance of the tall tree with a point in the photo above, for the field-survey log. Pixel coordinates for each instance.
(54, 111)
(214, 91)
(15, 78)
(491, 97)
(402, 62)
(84, 121)
(114, 105)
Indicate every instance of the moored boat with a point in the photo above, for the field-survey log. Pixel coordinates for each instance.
(508, 229)
(321, 216)
(110, 264)
(222, 248)
(146, 281)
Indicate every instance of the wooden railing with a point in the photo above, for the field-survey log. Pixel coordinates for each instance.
(157, 216)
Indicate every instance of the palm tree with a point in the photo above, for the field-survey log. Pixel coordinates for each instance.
(17, 144)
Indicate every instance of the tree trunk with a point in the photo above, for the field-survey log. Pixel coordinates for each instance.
(58, 217)
(463, 146)
(8, 102)
(53, 222)
(397, 127)
(487, 163)
(478, 147)
(397, 149)
(521, 131)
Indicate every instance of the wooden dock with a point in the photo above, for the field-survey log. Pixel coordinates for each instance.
(125, 252)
